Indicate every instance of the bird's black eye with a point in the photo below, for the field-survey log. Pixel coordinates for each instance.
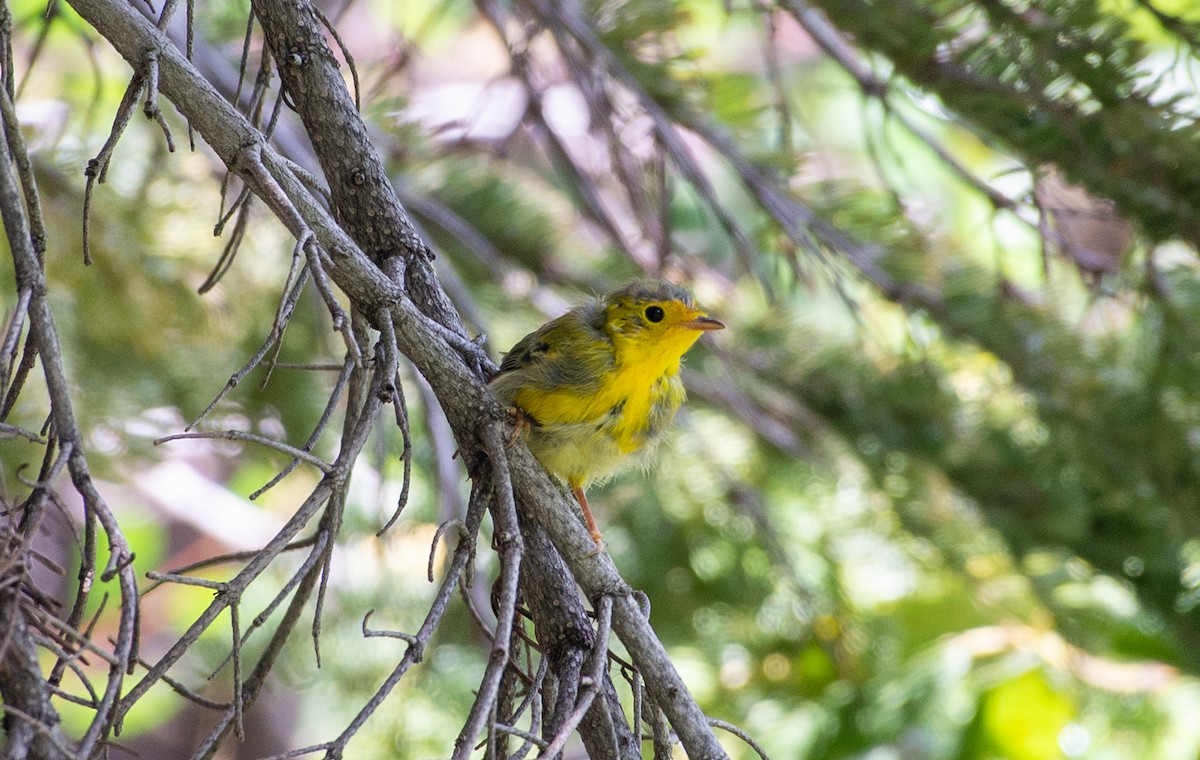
(655, 313)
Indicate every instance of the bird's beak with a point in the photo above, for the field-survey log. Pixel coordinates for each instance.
(705, 323)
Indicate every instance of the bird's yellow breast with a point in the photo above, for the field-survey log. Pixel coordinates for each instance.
(584, 436)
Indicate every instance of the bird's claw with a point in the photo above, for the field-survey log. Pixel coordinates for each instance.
(521, 423)
(599, 549)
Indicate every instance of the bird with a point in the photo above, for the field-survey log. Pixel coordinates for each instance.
(596, 388)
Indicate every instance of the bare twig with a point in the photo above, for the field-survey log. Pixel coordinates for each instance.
(739, 733)
(388, 340)
(287, 306)
(43, 329)
(320, 539)
(235, 586)
(151, 109)
(97, 168)
(333, 32)
(371, 633)
(596, 674)
(334, 397)
(235, 651)
(188, 580)
(47, 732)
(45, 621)
(433, 618)
(33, 202)
(187, 693)
(238, 435)
(241, 208)
(529, 737)
(16, 431)
(223, 558)
(508, 535)
(341, 322)
(8, 350)
(453, 522)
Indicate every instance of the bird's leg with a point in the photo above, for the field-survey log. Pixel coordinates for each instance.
(587, 515)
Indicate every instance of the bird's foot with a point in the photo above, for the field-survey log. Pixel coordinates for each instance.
(521, 423)
(599, 539)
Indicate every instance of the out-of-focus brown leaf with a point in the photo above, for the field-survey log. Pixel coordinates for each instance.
(1085, 229)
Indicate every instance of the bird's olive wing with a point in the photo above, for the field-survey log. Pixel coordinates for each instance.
(528, 350)
(566, 352)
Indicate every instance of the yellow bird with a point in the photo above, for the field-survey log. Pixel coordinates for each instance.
(598, 386)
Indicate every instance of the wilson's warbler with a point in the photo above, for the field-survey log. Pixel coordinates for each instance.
(597, 387)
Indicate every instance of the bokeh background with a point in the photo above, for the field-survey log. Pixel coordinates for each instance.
(936, 491)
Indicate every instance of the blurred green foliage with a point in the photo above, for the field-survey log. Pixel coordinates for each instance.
(956, 520)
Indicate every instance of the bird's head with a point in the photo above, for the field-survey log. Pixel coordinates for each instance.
(653, 319)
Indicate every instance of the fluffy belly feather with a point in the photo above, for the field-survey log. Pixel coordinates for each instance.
(626, 433)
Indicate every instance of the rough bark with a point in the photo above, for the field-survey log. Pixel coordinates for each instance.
(567, 639)
(33, 733)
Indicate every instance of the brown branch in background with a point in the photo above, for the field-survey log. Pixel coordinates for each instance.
(449, 221)
(1173, 24)
(836, 47)
(566, 23)
(557, 152)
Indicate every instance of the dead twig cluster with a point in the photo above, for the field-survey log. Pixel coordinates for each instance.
(549, 672)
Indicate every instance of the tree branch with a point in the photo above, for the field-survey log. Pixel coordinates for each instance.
(459, 389)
